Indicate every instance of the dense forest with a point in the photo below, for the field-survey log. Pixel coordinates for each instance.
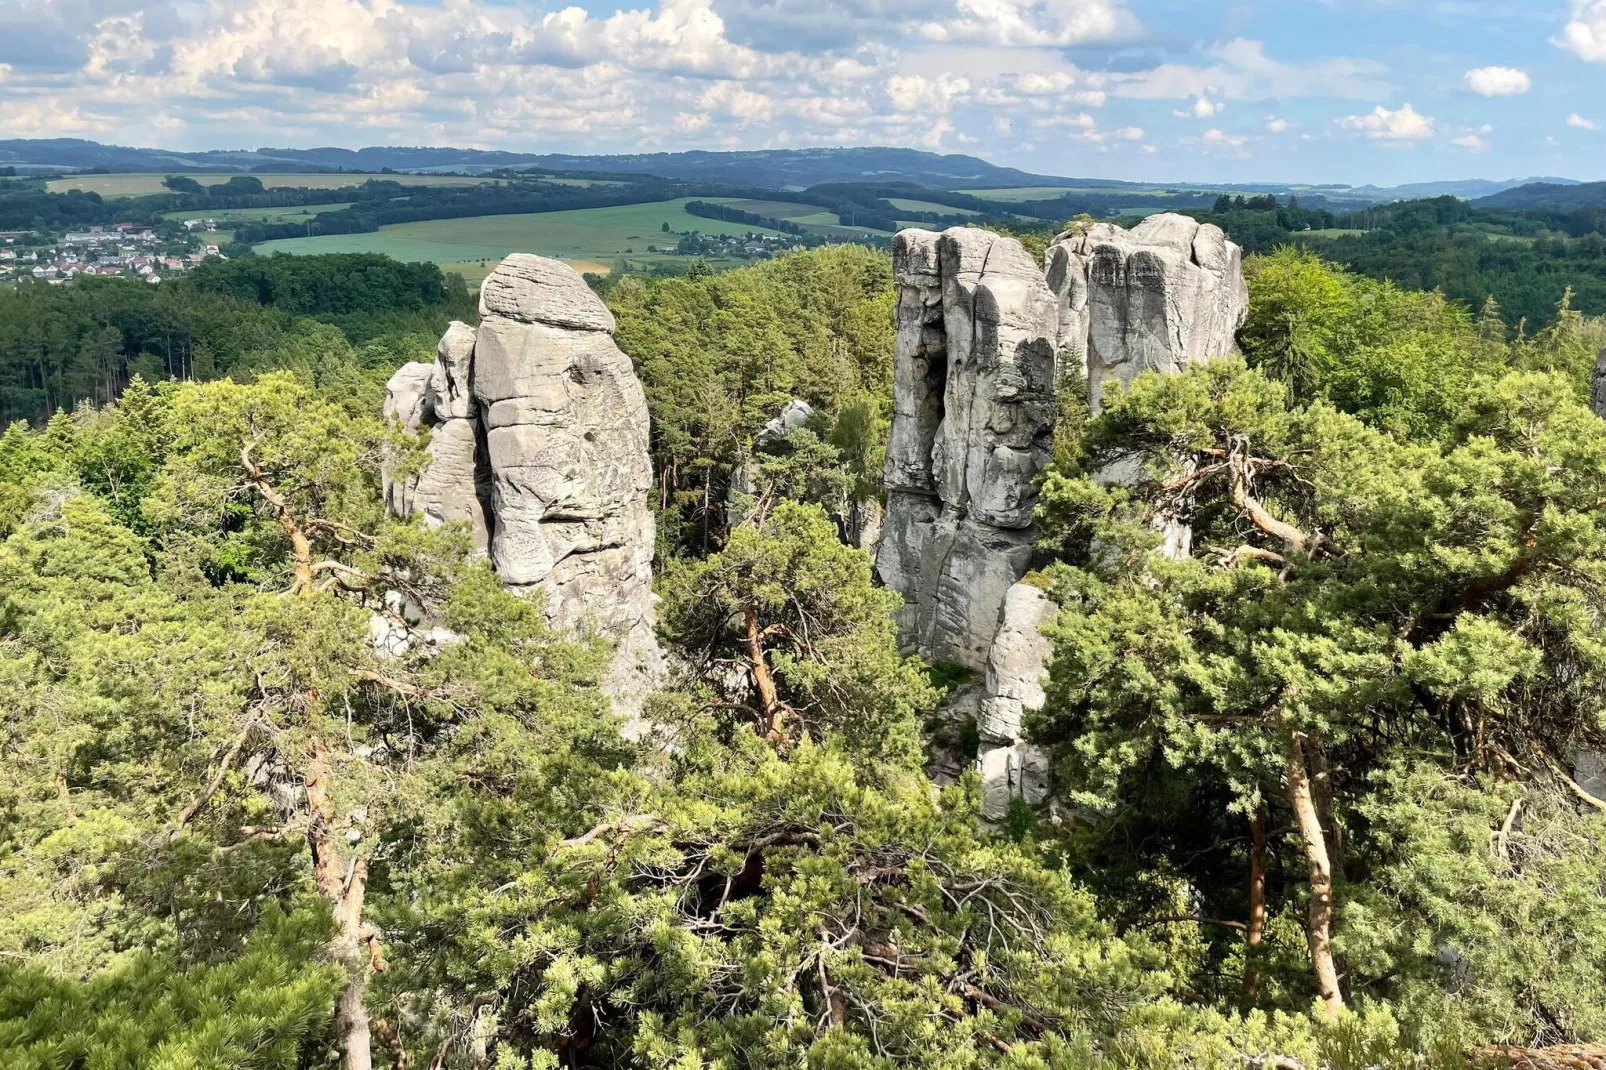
(235, 835)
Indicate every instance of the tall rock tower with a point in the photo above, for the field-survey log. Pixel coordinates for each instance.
(981, 333)
(539, 440)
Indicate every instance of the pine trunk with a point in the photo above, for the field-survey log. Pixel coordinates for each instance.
(1257, 906)
(1319, 928)
(345, 893)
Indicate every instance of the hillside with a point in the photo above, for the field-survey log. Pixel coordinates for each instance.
(1550, 195)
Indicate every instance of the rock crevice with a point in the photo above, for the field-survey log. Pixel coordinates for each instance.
(982, 331)
(539, 440)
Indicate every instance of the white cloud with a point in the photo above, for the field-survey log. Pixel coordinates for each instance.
(1243, 71)
(1498, 81)
(1276, 125)
(1405, 124)
(1041, 23)
(1203, 108)
(1581, 123)
(1470, 141)
(1585, 33)
(1231, 141)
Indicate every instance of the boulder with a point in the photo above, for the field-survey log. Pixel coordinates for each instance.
(795, 414)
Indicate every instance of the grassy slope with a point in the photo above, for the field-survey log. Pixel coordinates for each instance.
(137, 185)
(592, 237)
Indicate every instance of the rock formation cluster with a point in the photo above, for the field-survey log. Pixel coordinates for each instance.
(538, 439)
(985, 338)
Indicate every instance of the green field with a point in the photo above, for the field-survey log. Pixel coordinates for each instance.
(142, 184)
(589, 238)
(258, 215)
(797, 213)
(1019, 193)
(929, 206)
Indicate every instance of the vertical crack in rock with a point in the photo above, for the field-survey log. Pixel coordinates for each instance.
(540, 439)
(980, 330)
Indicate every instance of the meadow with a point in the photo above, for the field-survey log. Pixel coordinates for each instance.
(290, 214)
(588, 238)
(139, 185)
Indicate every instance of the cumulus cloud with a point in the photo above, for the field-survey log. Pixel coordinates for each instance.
(1470, 141)
(1203, 108)
(1405, 124)
(1276, 125)
(1221, 139)
(1585, 33)
(1581, 123)
(1498, 81)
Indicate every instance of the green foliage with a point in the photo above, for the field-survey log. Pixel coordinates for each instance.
(721, 355)
(268, 1007)
(787, 598)
(1375, 596)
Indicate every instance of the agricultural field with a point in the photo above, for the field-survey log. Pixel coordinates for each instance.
(797, 213)
(1020, 193)
(139, 185)
(929, 206)
(258, 215)
(589, 238)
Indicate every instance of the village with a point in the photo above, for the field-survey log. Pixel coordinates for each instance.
(122, 250)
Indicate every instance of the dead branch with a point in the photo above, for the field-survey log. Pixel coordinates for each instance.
(187, 814)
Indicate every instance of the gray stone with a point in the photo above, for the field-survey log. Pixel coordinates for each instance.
(566, 437)
(406, 396)
(1164, 295)
(1016, 664)
(973, 416)
(1589, 770)
(539, 440)
(1597, 395)
(450, 380)
(1019, 771)
(535, 289)
(795, 414)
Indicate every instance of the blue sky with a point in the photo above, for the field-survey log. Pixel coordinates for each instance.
(1352, 91)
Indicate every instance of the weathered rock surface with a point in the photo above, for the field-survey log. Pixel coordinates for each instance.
(1166, 294)
(539, 438)
(973, 411)
(454, 485)
(1010, 767)
(982, 332)
(1597, 393)
(1016, 664)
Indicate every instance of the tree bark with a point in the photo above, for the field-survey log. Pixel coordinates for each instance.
(1257, 906)
(769, 700)
(300, 544)
(1319, 928)
(345, 892)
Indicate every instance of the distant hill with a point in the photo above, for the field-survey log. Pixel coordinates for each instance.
(770, 169)
(1551, 195)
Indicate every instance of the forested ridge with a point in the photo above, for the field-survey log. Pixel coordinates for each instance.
(237, 835)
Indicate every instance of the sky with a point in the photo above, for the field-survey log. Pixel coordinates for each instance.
(1350, 91)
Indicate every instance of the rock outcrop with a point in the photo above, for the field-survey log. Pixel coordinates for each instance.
(539, 439)
(1168, 293)
(973, 416)
(1010, 767)
(981, 333)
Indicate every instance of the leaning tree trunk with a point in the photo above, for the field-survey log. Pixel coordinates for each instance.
(1319, 928)
(345, 892)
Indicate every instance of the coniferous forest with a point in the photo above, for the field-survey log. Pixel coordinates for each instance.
(1318, 799)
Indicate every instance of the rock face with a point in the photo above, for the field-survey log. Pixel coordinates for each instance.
(539, 438)
(973, 411)
(1168, 293)
(1010, 767)
(454, 485)
(982, 332)
(1597, 393)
